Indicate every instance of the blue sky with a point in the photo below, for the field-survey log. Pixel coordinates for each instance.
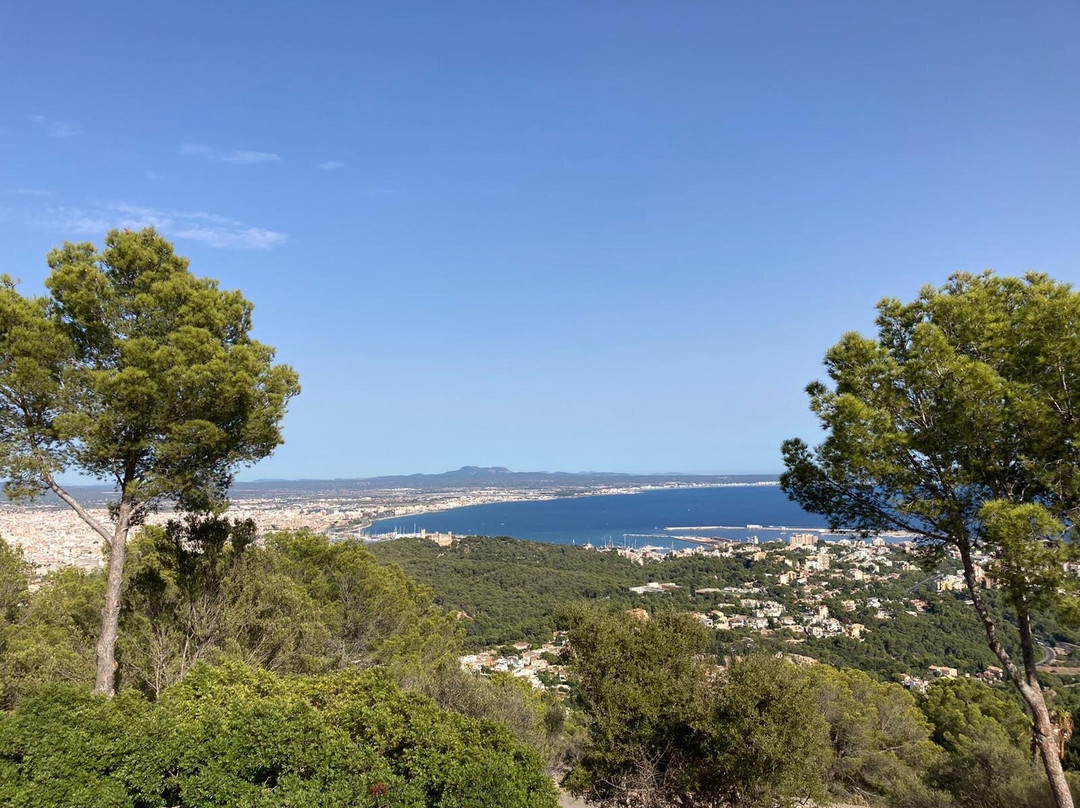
(577, 235)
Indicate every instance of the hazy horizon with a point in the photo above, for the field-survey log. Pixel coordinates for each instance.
(72, 482)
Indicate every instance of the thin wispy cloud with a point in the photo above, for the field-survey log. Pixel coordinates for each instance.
(155, 176)
(38, 192)
(71, 220)
(57, 129)
(331, 165)
(206, 228)
(249, 238)
(236, 156)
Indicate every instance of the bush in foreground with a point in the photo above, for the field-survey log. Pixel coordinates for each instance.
(666, 728)
(230, 735)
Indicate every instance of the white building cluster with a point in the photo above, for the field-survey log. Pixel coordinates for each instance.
(526, 663)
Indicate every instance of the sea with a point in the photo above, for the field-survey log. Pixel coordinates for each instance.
(648, 519)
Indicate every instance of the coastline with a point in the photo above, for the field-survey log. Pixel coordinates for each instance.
(496, 498)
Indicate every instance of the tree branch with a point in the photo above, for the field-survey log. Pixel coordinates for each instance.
(84, 514)
(885, 514)
(1027, 645)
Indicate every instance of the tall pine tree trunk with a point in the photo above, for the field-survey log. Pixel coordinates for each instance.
(1046, 735)
(105, 681)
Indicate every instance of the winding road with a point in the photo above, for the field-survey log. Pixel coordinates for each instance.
(1049, 655)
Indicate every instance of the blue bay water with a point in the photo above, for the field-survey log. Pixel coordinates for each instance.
(631, 519)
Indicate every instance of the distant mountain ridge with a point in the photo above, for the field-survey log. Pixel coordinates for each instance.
(486, 476)
(463, 479)
(471, 471)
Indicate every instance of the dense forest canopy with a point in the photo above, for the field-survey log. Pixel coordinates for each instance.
(493, 585)
(307, 673)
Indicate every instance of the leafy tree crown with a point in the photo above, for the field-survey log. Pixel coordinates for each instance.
(134, 370)
(958, 422)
